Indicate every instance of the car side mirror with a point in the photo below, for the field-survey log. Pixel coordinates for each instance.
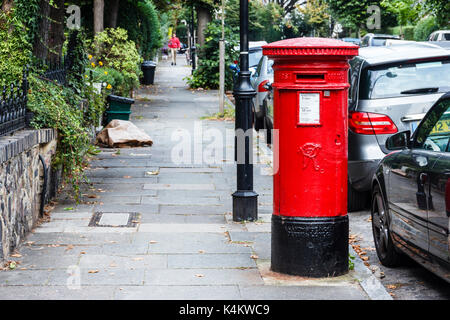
(398, 141)
(267, 86)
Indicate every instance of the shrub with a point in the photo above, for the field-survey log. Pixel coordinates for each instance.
(207, 73)
(424, 28)
(56, 107)
(140, 19)
(15, 50)
(112, 49)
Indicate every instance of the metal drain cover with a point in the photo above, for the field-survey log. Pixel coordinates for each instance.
(114, 220)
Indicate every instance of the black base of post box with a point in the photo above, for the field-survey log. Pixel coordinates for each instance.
(310, 247)
(245, 206)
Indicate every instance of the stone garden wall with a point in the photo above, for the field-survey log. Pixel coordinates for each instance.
(21, 183)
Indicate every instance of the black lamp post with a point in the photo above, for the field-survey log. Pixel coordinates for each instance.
(245, 200)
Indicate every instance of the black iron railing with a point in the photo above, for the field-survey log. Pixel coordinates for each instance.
(13, 106)
(56, 71)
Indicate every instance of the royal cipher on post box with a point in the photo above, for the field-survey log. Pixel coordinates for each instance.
(309, 222)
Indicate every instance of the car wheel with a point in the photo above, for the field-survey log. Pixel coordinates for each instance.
(386, 250)
(356, 200)
(268, 131)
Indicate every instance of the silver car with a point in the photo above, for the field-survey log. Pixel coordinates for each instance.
(259, 79)
(391, 89)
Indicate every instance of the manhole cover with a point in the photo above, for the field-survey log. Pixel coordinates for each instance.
(114, 220)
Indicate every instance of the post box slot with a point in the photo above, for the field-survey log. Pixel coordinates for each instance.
(310, 77)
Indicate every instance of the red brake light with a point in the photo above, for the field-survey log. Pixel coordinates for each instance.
(261, 86)
(371, 123)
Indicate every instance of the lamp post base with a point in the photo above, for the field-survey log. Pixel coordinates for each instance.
(245, 206)
(310, 247)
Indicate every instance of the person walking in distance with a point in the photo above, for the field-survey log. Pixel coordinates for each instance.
(174, 45)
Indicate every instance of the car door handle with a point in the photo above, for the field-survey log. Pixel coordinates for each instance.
(413, 117)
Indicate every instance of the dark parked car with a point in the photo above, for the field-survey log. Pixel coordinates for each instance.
(411, 194)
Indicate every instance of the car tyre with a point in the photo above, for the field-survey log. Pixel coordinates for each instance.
(356, 200)
(258, 122)
(386, 250)
(268, 131)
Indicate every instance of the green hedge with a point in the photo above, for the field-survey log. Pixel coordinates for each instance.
(424, 28)
(408, 32)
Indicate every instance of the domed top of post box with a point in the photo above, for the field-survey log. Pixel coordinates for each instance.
(310, 47)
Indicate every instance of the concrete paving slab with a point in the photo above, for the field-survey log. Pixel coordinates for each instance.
(124, 261)
(56, 293)
(203, 277)
(207, 260)
(100, 276)
(197, 292)
(301, 293)
(179, 186)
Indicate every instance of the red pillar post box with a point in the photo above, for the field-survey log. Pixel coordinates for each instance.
(309, 222)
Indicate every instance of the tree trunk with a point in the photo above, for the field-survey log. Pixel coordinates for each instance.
(40, 43)
(203, 17)
(56, 35)
(112, 13)
(99, 6)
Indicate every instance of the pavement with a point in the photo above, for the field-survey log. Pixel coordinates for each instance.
(155, 222)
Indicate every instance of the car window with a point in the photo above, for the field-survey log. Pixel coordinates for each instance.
(365, 41)
(269, 67)
(390, 81)
(434, 131)
(446, 36)
(378, 42)
(435, 37)
(254, 57)
(258, 69)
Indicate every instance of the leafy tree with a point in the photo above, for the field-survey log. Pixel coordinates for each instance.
(406, 11)
(288, 5)
(441, 10)
(315, 14)
(265, 21)
(353, 13)
(207, 73)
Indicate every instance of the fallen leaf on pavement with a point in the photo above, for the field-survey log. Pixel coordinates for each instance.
(153, 241)
(69, 247)
(199, 275)
(93, 271)
(126, 177)
(253, 256)
(16, 255)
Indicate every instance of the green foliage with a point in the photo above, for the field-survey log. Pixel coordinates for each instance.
(424, 28)
(113, 49)
(441, 10)
(140, 19)
(57, 107)
(207, 73)
(406, 11)
(78, 59)
(265, 21)
(27, 11)
(407, 32)
(353, 13)
(15, 50)
(315, 14)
